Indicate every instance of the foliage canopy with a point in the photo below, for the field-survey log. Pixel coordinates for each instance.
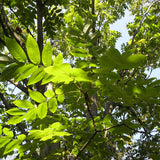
(67, 92)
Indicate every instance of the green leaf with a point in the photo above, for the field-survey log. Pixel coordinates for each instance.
(79, 52)
(15, 50)
(87, 28)
(136, 58)
(16, 119)
(21, 137)
(36, 76)
(23, 104)
(9, 72)
(4, 140)
(60, 72)
(61, 98)
(107, 118)
(59, 59)
(31, 114)
(0, 129)
(49, 94)
(24, 71)
(47, 78)
(7, 132)
(48, 137)
(52, 105)
(61, 134)
(59, 91)
(37, 96)
(47, 55)
(33, 50)
(80, 75)
(79, 22)
(4, 59)
(15, 111)
(42, 110)
(11, 146)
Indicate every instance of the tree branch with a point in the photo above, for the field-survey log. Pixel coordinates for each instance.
(91, 138)
(40, 26)
(20, 21)
(137, 30)
(4, 101)
(85, 145)
(19, 86)
(10, 27)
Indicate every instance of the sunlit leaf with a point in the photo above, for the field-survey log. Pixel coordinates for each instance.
(4, 140)
(36, 76)
(52, 104)
(11, 146)
(59, 59)
(7, 132)
(42, 110)
(15, 111)
(47, 55)
(15, 49)
(23, 104)
(33, 50)
(37, 96)
(15, 119)
(21, 137)
(49, 94)
(31, 114)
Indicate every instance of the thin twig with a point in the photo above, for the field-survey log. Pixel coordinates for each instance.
(137, 30)
(20, 21)
(91, 138)
(85, 145)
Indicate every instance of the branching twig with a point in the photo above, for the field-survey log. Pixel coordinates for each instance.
(93, 135)
(134, 115)
(145, 14)
(135, 130)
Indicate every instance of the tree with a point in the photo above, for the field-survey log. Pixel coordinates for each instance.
(73, 94)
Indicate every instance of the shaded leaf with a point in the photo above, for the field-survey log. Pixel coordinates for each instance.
(4, 59)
